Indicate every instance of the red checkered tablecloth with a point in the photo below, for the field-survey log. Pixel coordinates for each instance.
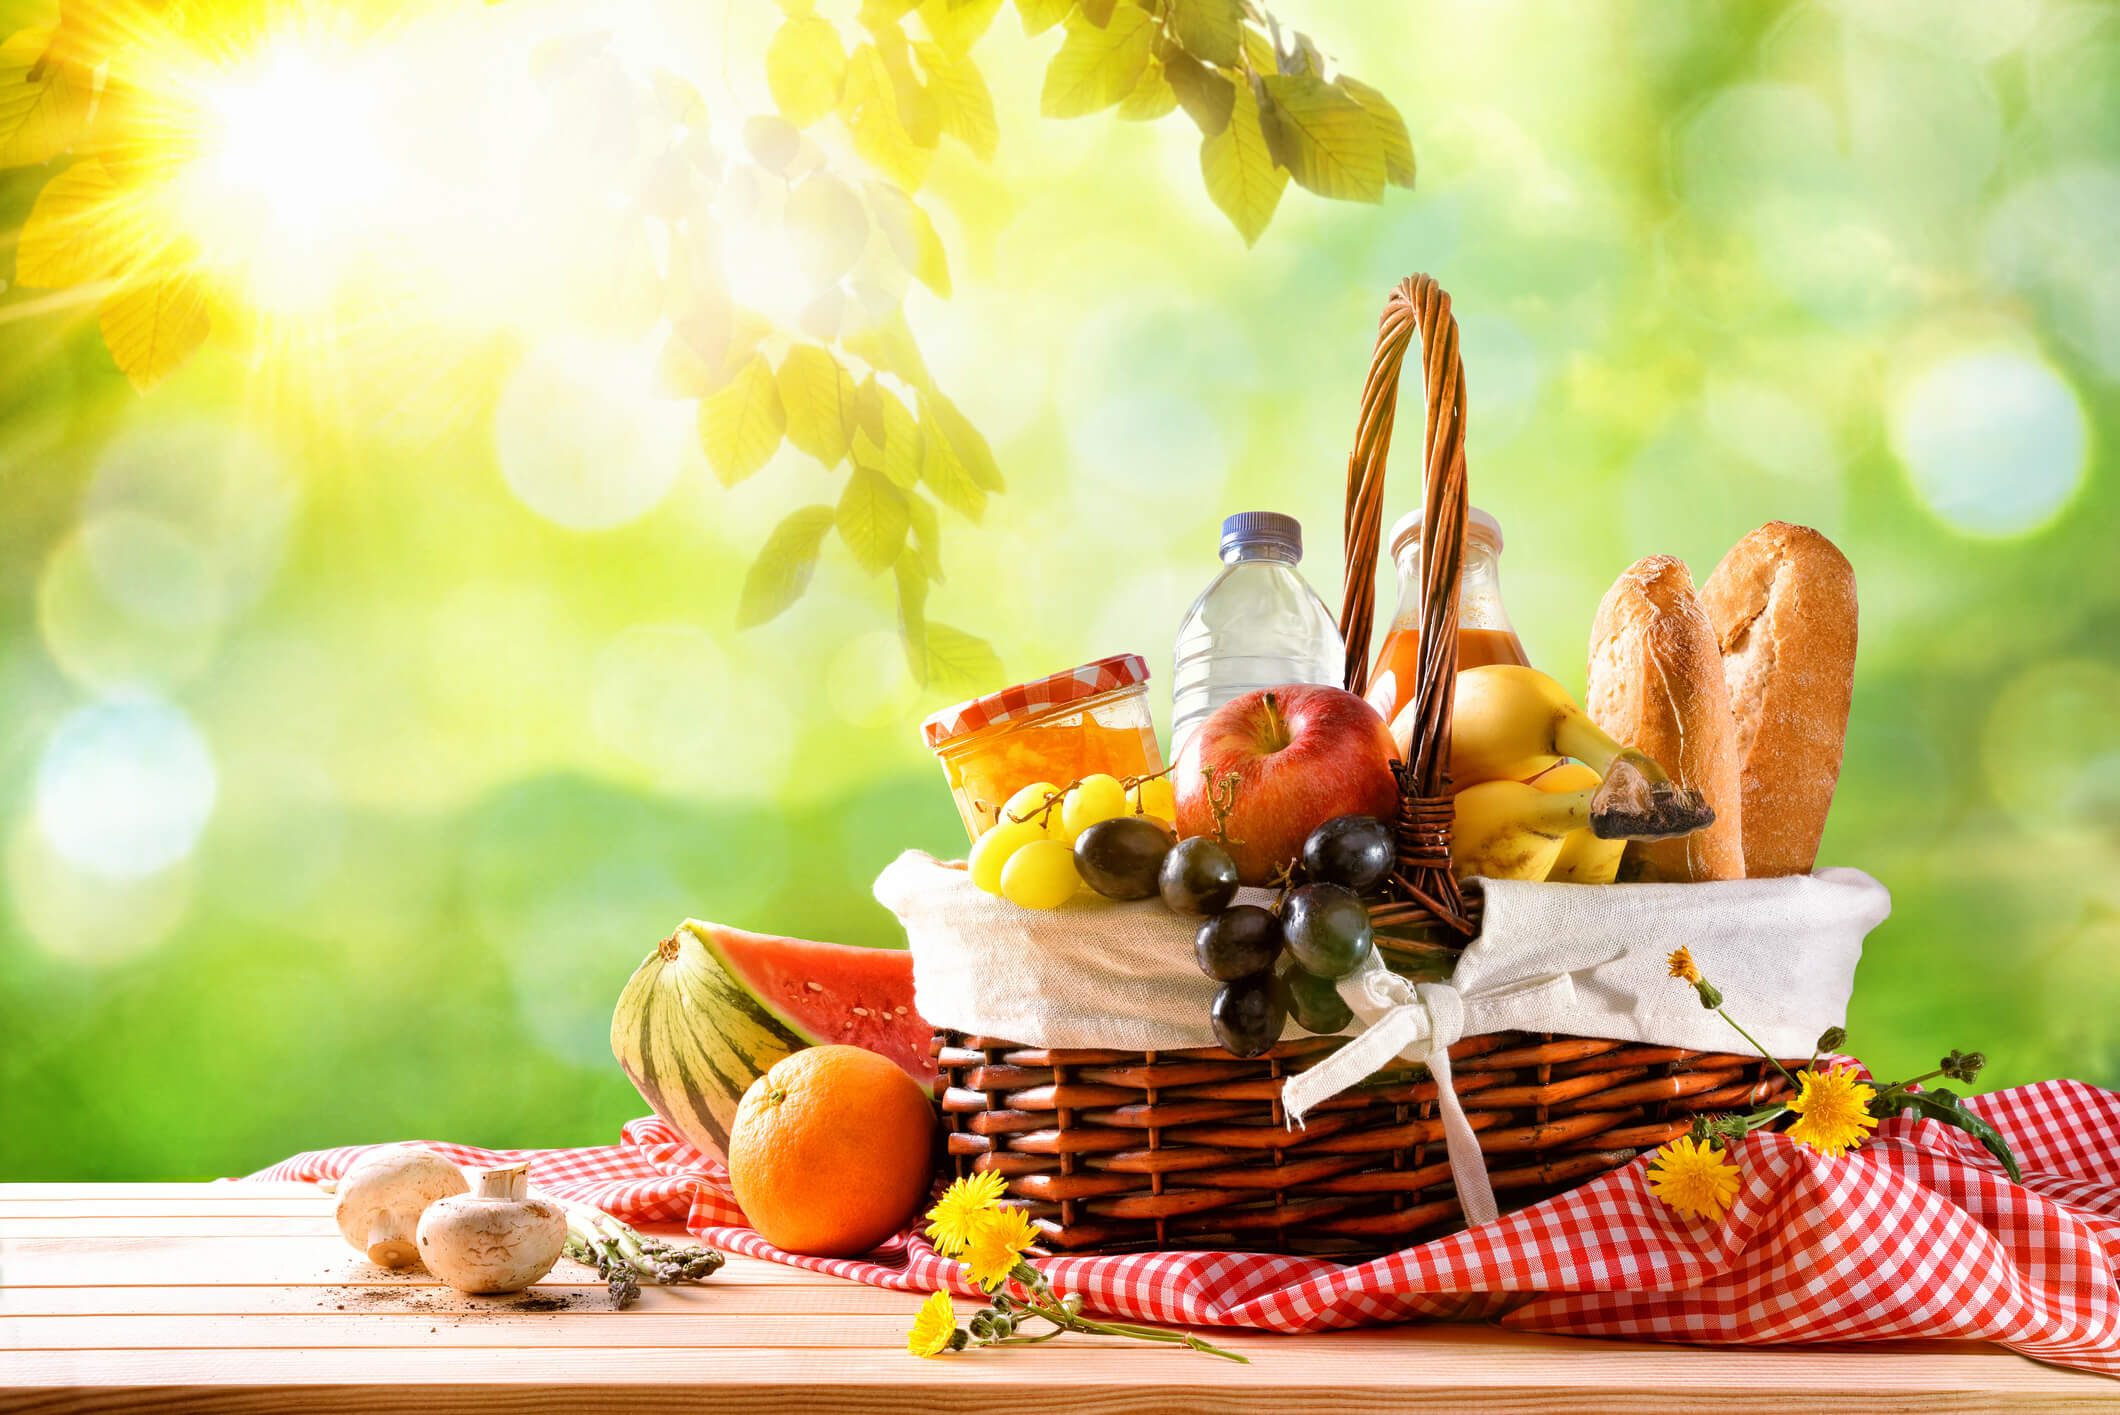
(1916, 1235)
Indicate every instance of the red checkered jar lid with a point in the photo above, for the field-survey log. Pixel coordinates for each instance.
(1029, 699)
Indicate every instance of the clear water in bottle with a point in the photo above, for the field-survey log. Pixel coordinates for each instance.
(1257, 626)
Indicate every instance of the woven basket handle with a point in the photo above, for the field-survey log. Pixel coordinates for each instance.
(1417, 306)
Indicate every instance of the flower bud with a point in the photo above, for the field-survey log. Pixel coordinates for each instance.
(1832, 1038)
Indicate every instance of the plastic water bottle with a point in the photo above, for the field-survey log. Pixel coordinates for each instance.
(1257, 626)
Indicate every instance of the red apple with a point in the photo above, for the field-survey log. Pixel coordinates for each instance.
(1295, 757)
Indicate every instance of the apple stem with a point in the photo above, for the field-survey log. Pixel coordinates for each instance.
(1277, 738)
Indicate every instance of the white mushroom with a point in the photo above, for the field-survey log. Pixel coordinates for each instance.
(496, 1238)
(382, 1197)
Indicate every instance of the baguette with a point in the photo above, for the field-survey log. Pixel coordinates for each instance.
(1656, 683)
(1783, 606)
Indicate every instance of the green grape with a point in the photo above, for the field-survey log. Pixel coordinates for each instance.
(990, 855)
(1030, 801)
(1097, 798)
(1154, 797)
(1040, 875)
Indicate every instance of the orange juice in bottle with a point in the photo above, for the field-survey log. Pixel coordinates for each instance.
(1484, 632)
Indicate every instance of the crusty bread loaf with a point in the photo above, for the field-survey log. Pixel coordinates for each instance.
(1656, 683)
(1783, 606)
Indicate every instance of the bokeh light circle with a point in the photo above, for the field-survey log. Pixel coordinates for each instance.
(2051, 746)
(81, 916)
(186, 524)
(582, 437)
(1994, 441)
(664, 696)
(125, 787)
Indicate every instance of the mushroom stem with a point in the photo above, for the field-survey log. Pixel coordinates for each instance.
(390, 1240)
(506, 1181)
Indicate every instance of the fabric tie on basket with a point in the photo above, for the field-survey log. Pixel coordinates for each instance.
(1422, 1021)
(1917, 1235)
(1592, 960)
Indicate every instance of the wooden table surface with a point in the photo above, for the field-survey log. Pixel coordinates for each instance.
(241, 1297)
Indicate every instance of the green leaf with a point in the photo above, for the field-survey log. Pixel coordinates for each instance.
(927, 535)
(772, 141)
(153, 322)
(944, 471)
(1944, 1105)
(1239, 168)
(962, 98)
(1205, 94)
(878, 14)
(80, 229)
(959, 659)
(1038, 16)
(741, 426)
(872, 519)
(1325, 139)
(912, 610)
(1097, 12)
(43, 106)
(890, 348)
(966, 441)
(869, 108)
(827, 226)
(818, 395)
(886, 436)
(1096, 67)
(957, 24)
(1391, 130)
(1212, 30)
(1259, 56)
(806, 69)
(912, 236)
(1152, 96)
(782, 570)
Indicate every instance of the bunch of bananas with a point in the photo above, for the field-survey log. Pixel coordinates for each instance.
(1543, 793)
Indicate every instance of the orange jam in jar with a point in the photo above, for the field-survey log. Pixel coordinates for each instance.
(1060, 729)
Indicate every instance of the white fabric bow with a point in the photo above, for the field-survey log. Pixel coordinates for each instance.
(1489, 991)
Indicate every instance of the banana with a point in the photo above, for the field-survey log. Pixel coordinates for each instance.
(1513, 830)
(1583, 858)
(1510, 723)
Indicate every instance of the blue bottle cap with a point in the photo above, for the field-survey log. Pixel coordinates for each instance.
(1263, 528)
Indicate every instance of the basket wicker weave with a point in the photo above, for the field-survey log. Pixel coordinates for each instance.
(1112, 1150)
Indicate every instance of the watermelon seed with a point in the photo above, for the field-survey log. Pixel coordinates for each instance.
(814, 986)
(861, 1012)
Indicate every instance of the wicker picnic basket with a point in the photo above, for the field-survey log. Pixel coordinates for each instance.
(1120, 1150)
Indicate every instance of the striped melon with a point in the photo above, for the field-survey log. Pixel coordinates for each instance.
(712, 1008)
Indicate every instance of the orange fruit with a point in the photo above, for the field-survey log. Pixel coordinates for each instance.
(832, 1151)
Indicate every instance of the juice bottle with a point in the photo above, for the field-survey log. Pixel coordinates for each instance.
(1484, 632)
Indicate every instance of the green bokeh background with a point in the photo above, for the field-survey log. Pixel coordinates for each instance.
(1844, 264)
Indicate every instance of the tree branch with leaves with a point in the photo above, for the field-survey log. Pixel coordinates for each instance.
(864, 100)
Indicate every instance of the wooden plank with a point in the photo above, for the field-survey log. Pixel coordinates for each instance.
(78, 1226)
(265, 1206)
(826, 1299)
(1448, 1369)
(251, 1261)
(234, 1191)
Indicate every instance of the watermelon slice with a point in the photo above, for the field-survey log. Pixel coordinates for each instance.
(712, 1008)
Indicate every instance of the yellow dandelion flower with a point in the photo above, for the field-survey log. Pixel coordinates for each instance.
(1694, 1179)
(933, 1326)
(999, 1237)
(950, 1221)
(1833, 1111)
(1682, 965)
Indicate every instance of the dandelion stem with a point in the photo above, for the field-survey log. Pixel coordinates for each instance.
(1758, 1048)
